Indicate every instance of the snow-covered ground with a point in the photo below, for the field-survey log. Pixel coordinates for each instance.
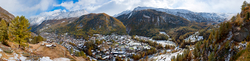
(45, 59)
(22, 58)
(61, 59)
(229, 36)
(163, 42)
(193, 38)
(167, 56)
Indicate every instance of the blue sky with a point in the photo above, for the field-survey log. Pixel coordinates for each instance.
(31, 8)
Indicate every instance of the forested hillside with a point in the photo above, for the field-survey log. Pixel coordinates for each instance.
(228, 40)
(93, 24)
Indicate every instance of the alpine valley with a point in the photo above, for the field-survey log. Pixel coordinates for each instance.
(141, 34)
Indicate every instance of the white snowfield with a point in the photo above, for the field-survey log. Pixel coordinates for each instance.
(36, 20)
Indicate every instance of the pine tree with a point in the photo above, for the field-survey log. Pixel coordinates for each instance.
(71, 50)
(238, 20)
(4, 32)
(244, 5)
(211, 57)
(83, 54)
(233, 18)
(19, 29)
(210, 36)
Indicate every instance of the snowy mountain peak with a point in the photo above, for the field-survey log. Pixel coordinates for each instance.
(162, 9)
(124, 12)
(189, 15)
(36, 20)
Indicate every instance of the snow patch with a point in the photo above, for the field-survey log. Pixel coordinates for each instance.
(167, 57)
(61, 59)
(45, 59)
(193, 38)
(22, 58)
(146, 16)
(124, 12)
(63, 21)
(1, 50)
(129, 15)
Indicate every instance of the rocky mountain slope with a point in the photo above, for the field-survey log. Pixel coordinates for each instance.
(146, 22)
(51, 25)
(6, 15)
(189, 15)
(94, 23)
(36, 20)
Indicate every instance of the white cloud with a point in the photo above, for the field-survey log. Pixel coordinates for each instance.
(224, 6)
(116, 6)
(26, 7)
(111, 7)
(50, 12)
(82, 4)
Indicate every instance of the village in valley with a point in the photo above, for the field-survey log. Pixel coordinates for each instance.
(116, 47)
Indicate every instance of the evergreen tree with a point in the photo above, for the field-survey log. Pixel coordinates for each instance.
(71, 50)
(211, 57)
(244, 5)
(19, 29)
(4, 32)
(233, 18)
(238, 20)
(83, 54)
(247, 16)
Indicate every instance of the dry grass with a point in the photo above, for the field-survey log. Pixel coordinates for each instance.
(37, 51)
(52, 52)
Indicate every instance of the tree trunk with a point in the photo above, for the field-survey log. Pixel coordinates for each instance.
(19, 44)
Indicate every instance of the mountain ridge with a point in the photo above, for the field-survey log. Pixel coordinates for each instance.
(189, 15)
(144, 20)
(36, 20)
(93, 23)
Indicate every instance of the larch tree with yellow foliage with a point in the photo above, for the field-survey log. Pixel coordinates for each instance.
(4, 32)
(20, 31)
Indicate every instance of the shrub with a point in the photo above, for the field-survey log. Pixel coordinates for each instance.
(36, 39)
(72, 44)
(160, 37)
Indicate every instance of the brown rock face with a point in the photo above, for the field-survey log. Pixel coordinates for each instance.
(240, 33)
(6, 15)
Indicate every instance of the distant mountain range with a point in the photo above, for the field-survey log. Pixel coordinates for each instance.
(144, 21)
(59, 15)
(189, 15)
(50, 25)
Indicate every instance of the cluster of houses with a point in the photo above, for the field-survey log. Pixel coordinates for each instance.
(122, 46)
